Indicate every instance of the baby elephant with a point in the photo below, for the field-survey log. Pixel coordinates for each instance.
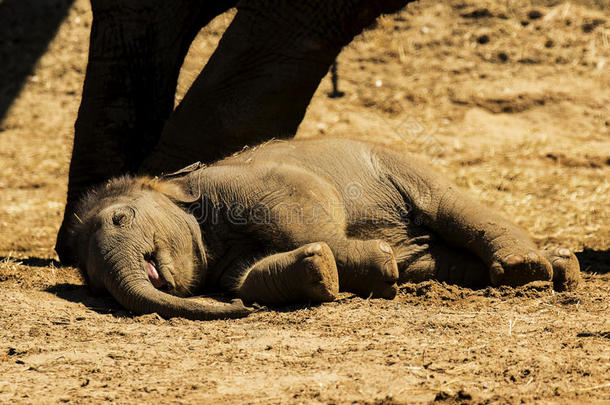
(296, 221)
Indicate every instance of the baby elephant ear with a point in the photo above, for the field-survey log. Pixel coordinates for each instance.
(184, 171)
(183, 185)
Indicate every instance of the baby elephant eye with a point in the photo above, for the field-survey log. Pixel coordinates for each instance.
(123, 216)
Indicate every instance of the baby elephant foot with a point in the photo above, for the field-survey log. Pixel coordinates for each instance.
(566, 270)
(384, 285)
(306, 274)
(316, 273)
(375, 273)
(515, 269)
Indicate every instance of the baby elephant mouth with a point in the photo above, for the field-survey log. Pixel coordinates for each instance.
(153, 275)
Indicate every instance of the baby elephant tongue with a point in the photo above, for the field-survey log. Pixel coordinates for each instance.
(153, 276)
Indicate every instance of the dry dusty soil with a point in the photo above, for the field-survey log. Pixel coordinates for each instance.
(509, 99)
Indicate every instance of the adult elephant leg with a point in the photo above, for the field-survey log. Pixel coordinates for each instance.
(260, 79)
(136, 50)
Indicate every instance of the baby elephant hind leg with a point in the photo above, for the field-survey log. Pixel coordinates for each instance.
(306, 274)
(505, 249)
(511, 256)
(459, 266)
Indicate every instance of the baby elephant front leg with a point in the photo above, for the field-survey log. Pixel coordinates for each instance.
(367, 268)
(306, 274)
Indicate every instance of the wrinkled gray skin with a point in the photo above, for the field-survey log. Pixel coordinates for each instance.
(297, 221)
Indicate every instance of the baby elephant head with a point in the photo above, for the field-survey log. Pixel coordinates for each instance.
(134, 238)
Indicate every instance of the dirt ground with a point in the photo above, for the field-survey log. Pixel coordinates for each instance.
(509, 99)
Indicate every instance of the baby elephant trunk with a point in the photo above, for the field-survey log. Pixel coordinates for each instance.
(132, 289)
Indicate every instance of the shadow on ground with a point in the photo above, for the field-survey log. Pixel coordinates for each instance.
(34, 261)
(594, 261)
(82, 295)
(26, 28)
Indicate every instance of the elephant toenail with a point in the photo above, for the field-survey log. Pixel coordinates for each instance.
(384, 247)
(512, 260)
(496, 273)
(314, 249)
(564, 252)
(532, 256)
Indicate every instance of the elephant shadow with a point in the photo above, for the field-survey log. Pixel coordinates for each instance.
(26, 29)
(35, 261)
(75, 292)
(594, 261)
(82, 295)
